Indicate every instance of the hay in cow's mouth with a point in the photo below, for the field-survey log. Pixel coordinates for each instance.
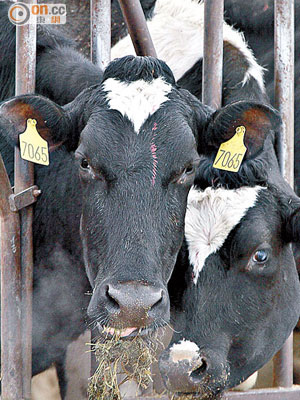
(131, 357)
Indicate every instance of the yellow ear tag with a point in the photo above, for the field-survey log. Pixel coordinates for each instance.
(231, 153)
(33, 147)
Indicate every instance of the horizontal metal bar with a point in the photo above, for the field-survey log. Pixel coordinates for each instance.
(149, 398)
(292, 393)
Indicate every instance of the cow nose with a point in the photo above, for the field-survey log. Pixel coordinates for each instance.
(133, 304)
(183, 372)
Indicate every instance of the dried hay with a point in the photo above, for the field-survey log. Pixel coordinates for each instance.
(133, 357)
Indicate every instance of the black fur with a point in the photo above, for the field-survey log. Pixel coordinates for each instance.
(128, 70)
(69, 74)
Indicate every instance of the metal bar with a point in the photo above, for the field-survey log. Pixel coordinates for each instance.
(100, 32)
(284, 82)
(11, 346)
(265, 394)
(24, 177)
(283, 365)
(137, 27)
(284, 102)
(213, 53)
(258, 394)
(100, 55)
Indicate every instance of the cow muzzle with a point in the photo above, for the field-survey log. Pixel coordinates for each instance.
(129, 306)
(186, 370)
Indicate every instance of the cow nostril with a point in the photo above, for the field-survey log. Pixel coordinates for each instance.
(159, 301)
(111, 303)
(197, 373)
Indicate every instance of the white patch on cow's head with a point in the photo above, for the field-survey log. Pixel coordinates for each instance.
(210, 217)
(177, 30)
(138, 99)
(184, 350)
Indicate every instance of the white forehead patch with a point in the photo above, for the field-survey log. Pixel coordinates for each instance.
(184, 350)
(137, 100)
(210, 217)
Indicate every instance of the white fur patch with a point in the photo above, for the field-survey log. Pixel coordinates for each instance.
(137, 100)
(184, 350)
(177, 30)
(210, 217)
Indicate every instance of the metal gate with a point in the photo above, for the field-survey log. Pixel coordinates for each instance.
(15, 205)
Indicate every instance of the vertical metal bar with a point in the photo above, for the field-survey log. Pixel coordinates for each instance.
(100, 55)
(11, 350)
(24, 177)
(284, 83)
(284, 102)
(283, 365)
(213, 53)
(137, 27)
(100, 32)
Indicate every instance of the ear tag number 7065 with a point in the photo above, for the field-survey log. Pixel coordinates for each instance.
(231, 153)
(33, 147)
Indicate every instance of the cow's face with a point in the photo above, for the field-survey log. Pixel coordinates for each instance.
(134, 139)
(135, 186)
(241, 297)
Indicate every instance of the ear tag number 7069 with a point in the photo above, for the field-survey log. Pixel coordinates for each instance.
(33, 147)
(231, 153)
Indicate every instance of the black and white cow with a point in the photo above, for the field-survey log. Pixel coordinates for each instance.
(111, 163)
(241, 296)
(176, 28)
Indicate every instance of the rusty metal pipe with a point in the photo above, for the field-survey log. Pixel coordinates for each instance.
(100, 55)
(100, 32)
(137, 27)
(213, 53)
(24, 177)
(283, 365)
(284, 102)
(284, 83)
(256, 394)
(11, 350)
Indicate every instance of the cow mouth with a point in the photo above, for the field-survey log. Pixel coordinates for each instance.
(122, 333)
(126, 333)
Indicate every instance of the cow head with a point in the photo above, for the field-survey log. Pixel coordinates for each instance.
(134, 139)
(241, 296)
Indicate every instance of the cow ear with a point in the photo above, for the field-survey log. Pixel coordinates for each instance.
(257, 119)
(54, 123)
(292, 226)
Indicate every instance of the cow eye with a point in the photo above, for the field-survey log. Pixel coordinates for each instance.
(187, 174)
(260, 256)
(84, 164)
(189, 170)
